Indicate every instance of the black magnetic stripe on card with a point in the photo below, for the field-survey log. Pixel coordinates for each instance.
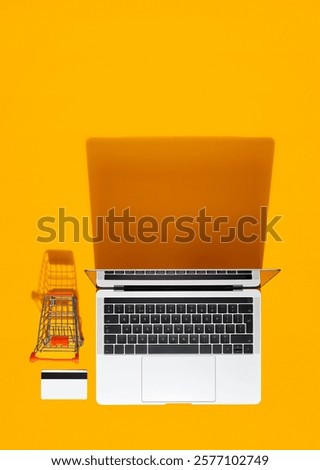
(64, 375)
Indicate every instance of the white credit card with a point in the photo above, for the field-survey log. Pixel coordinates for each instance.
(64, 384)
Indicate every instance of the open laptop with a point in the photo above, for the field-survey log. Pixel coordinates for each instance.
(178, 267)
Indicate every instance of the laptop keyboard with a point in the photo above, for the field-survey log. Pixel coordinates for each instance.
(178, 326)
(180, 274)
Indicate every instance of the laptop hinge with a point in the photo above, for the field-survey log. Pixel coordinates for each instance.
(238, 287)
(177, 288)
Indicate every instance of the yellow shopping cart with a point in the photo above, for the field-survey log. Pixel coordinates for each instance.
(59, 334)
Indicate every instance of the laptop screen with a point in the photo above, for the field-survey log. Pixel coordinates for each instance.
(188, 203)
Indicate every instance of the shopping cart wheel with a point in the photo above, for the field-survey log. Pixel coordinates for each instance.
(32, 357)
(76, 358)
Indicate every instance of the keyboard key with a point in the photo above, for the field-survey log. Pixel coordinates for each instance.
(216, 349)
(126, 329)
(139, 308)
(237, 349)
(176, 318)
(142, 339)
(214, 339)
(108, 349)
(242, 339)
(160, 308)
(204, 338)
(124, 318)
(108, 308)
(150, 308)
(201, 308)
(240, 328)
(141, 349)
(248, 349)
(147, 329)
(196, 318)
(171, 308)
(152, 339)
(168, 328)
(173, 349)
(181, 308)
(219, 328)
(183, 339)
(225, 339)
(186, 318)
(188, 329)
(206, 318)
(119, 349)
(237, 318)
(232, 308)
(173, 339)
(194, 338)
(132, 339)
(178, 329)
(230, 328)
(191, 308)
(157, 329)
(222, 308)
(129, 349)
(205, 349)
(227, 349)
(163, 339)
(199, 328)
(246, 308)
(165, 319)
(129, 308)
(110, 339)
(137, 329)
(216, 318)
(111, 318)
(145, 318)
(121, 339)
(155, 318)
(109, 329)
(212, 308)
(119, 308)
(134, 319)
(227, 318)
(248, 320)
(209, 328)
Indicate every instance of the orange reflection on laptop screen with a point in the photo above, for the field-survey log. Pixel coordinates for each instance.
(186, 202)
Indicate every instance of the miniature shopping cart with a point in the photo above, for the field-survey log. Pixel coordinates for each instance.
(59, 333)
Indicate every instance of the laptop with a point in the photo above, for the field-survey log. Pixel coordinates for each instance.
(179, 231)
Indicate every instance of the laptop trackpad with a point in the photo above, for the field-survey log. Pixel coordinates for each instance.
(178, 379)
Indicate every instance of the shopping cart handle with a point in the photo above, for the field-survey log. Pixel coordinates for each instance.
(33, 358)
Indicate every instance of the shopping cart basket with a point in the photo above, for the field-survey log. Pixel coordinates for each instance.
(59, 330)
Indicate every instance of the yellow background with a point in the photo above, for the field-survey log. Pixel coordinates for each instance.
(73, 70)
